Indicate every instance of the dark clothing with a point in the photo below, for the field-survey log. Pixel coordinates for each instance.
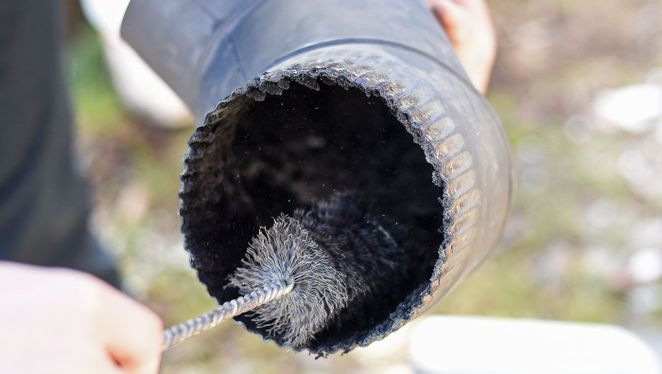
(44, 199)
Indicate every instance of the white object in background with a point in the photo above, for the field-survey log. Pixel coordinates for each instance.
(139, 88)
(634, 109)
(387, 356)
(472, 345)
(645, 265)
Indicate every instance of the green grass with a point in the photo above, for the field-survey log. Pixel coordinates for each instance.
(98, 111)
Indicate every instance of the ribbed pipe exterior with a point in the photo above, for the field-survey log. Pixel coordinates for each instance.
(455, 128)
(211, 53)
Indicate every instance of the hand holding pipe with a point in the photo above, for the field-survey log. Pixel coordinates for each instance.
(296, 100)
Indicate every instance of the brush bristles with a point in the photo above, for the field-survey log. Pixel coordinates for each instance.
(287, 252)
(341, 257)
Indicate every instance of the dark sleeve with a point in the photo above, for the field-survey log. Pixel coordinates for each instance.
(44, 199)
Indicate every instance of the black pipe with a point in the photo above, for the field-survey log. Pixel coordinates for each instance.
(298, 99)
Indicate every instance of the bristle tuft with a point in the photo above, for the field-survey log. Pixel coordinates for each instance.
(339, 254)
(287, 252)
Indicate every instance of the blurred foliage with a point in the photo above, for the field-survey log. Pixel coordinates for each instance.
(554, 59)
(98, 110)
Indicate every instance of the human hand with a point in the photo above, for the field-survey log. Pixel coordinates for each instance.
(470, 30)
(64, 321)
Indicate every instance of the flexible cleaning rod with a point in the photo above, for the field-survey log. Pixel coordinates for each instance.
(176, 334)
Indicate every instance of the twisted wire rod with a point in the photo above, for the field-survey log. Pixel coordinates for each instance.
(178, 333)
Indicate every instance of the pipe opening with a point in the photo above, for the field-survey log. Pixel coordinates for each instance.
(262, 155)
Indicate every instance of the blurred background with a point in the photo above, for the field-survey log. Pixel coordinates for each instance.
(578, 86)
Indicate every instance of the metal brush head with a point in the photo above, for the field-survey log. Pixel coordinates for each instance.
(287, 252)
(339, 255)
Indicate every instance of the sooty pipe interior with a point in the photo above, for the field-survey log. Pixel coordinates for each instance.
(293, 149)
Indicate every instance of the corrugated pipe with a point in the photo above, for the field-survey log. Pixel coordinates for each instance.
(298, 99)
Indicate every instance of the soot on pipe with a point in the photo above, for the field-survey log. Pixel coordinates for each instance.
(382, 114)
